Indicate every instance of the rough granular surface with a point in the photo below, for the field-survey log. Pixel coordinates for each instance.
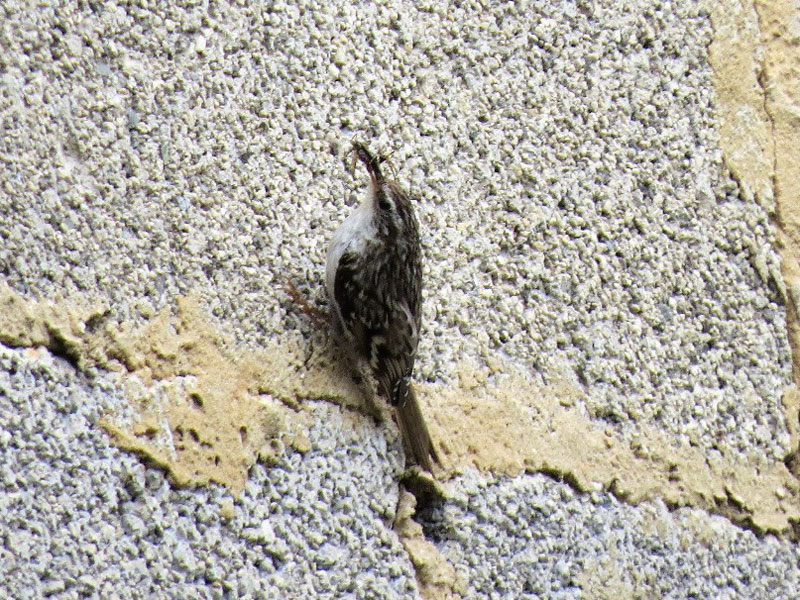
(579, 225)
(577, 214)
(591, 546)
(81, 518)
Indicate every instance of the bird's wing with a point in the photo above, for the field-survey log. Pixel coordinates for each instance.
(381, 324)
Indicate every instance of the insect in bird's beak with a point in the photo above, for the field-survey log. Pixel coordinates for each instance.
(372, 163)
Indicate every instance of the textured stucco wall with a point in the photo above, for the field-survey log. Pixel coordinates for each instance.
(608, 195)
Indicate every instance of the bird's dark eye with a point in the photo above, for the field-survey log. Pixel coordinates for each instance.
(384, 203)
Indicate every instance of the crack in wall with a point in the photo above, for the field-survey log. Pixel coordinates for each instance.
(779, 56)
(748, 58)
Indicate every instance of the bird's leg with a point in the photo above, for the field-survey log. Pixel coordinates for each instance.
(320, 319)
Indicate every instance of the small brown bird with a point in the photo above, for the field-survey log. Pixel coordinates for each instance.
(374, 280)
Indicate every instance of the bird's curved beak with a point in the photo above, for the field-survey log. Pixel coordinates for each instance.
(372, 163)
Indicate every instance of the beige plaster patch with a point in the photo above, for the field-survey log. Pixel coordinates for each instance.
(436, 577)
(756, 61)
(204, 413)
(779, 22)
(206, 409)
(755, 56)
(65, 327)
(509, 425)
(736, 57)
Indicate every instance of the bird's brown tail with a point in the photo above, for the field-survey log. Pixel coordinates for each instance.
(415, 431)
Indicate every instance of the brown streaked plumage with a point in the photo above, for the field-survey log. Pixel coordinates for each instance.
(374, 280)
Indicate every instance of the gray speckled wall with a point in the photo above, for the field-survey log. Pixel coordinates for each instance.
(581, 227)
